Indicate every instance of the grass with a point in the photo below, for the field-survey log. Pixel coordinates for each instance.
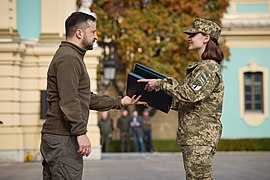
(261, 144)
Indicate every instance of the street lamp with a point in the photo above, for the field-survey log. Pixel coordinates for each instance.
(109, 58)
(109, 65)
(109, 71)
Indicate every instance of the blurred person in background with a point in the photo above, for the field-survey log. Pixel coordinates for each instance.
(136, 124)
(123, 123)
(105, 125)
(147, 129)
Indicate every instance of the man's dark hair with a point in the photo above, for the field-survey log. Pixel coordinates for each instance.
(77, 20)
(213, 51)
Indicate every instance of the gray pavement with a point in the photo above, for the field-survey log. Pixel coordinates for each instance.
(155, 166)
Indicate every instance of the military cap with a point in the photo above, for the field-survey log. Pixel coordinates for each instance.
(205, 26)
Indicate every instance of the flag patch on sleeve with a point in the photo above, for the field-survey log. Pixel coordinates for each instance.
(199, 82)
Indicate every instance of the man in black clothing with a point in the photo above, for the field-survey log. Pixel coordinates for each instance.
(123, 124)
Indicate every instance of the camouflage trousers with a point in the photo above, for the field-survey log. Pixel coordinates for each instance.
(198, 162)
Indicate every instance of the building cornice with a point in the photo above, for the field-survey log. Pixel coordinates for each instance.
(246, 21)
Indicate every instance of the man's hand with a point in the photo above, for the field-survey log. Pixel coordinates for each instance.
(151, 84)
(84, 145)
(134, 100)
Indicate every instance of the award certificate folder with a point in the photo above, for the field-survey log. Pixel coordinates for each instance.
(157, 99)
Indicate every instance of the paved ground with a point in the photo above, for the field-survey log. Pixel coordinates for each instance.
(156, 166)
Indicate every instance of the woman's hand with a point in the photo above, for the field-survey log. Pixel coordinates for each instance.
(151, 84)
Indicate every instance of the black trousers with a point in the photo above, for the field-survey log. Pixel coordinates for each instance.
(61, 159)
(125, 142)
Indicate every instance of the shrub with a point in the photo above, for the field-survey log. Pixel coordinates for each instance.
(261, 144)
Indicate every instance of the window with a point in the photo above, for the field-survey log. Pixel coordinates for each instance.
(253, 94)
(253, 91)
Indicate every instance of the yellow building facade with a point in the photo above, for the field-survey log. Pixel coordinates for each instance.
(23, 69)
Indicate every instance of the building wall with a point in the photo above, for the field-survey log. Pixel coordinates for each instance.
(247, 32)
(234, 125)
(29, 19)
(24, 59)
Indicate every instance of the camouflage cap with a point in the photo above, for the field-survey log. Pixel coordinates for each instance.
(205, 26)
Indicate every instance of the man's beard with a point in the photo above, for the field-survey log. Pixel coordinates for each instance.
(86, 44)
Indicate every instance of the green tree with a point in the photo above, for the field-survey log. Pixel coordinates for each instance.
(150, 32)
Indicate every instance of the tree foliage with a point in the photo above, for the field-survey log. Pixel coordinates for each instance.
(151, 31)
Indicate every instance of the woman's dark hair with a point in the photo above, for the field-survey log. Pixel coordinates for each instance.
(213, 51)
(77, 20)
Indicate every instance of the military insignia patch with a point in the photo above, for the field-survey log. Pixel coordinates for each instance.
(199, 82)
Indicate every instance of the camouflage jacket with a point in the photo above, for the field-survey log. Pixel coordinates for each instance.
(199, 103)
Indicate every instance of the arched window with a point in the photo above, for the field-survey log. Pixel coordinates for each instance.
(253, 94)
(253, 90)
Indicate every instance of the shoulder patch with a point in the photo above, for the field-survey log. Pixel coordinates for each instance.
(199, 82)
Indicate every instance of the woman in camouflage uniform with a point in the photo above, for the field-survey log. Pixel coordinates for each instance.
(198, 100)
